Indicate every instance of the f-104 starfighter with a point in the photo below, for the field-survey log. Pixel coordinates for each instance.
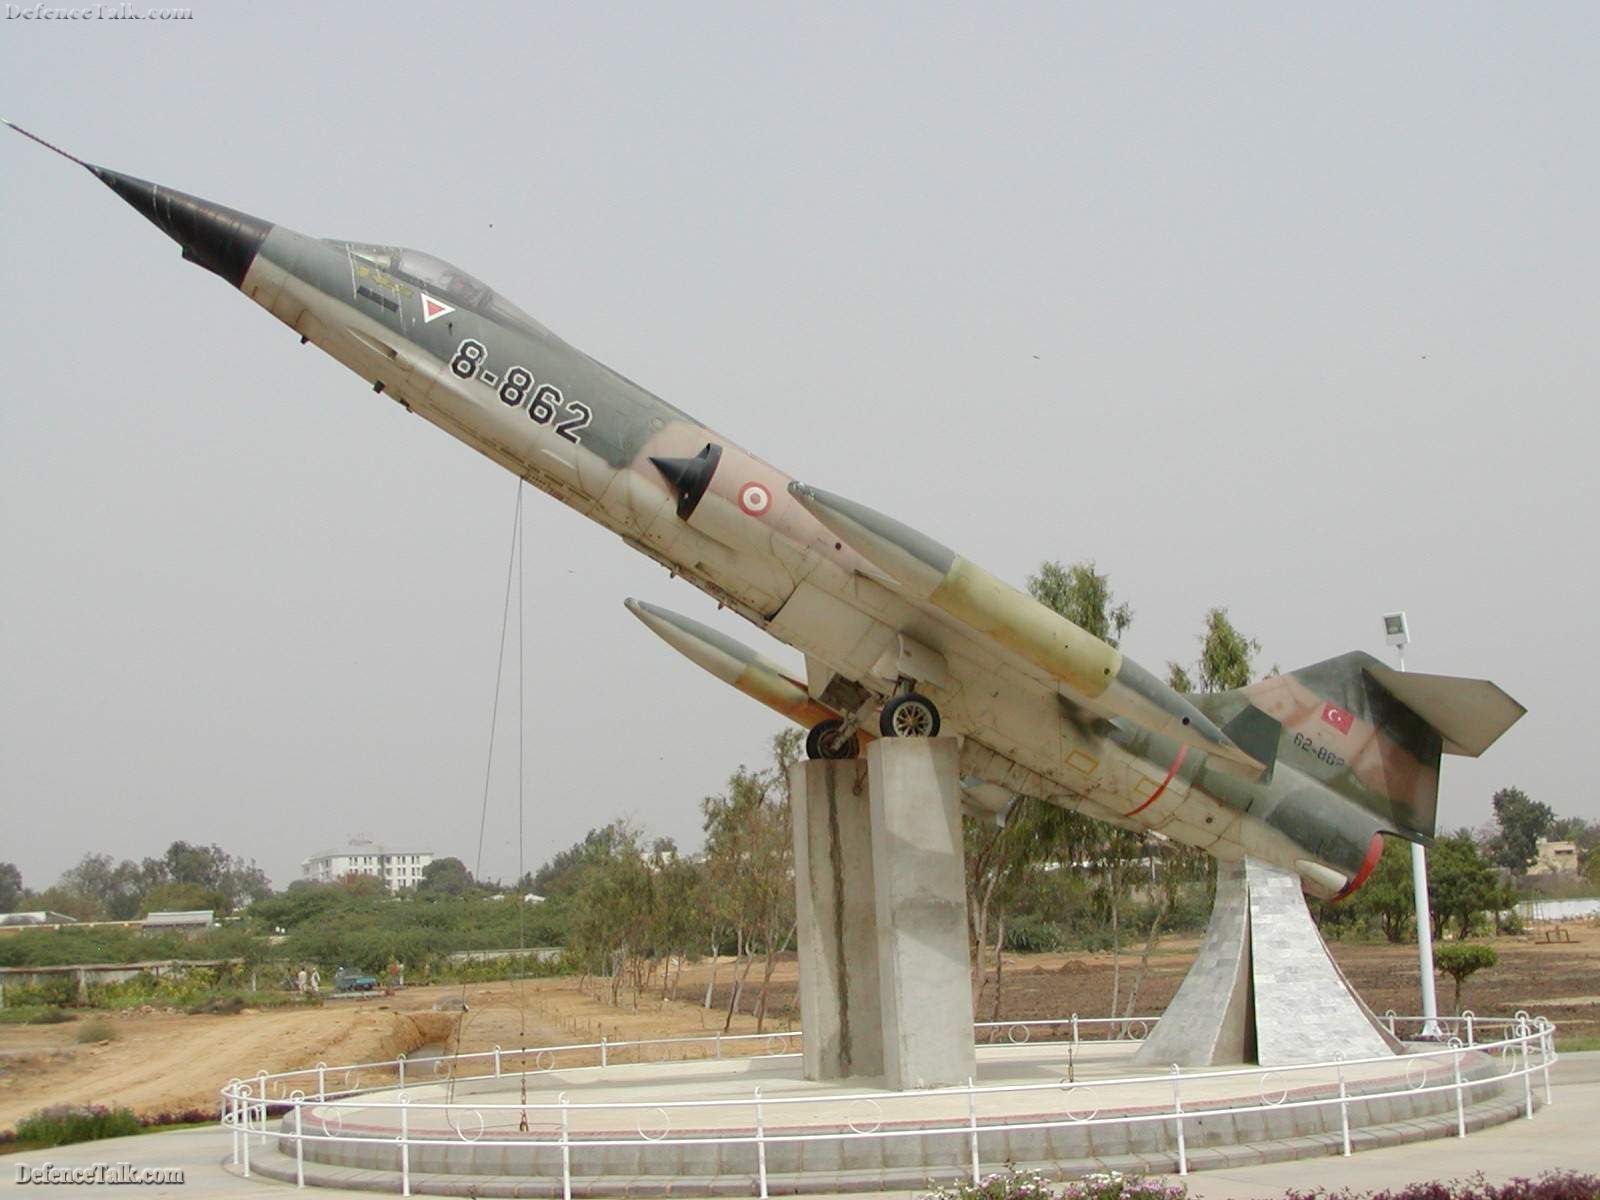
(901, 635)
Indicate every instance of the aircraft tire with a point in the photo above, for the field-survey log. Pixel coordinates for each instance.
(909, 715)
(823, 741)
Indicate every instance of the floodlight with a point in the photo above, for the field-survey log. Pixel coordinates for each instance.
(1394, 629)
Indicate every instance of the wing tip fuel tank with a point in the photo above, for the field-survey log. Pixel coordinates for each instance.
(731, 661)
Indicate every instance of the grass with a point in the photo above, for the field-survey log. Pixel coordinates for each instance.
(1573, 1045)
(33, 1014)
(98, 1029)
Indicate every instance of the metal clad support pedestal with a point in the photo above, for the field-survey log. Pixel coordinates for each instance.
(1263, 987)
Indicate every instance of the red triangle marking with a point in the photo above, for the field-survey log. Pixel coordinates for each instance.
(432, 308)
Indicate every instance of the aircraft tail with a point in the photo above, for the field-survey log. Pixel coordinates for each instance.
(1369, 732)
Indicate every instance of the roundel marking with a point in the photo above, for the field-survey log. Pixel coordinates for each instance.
(754, 499)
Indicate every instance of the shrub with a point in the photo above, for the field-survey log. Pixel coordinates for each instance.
(63, 1124)
(1462, 959)
(1551, 1185)
(96, 1030)
(1030, 1185)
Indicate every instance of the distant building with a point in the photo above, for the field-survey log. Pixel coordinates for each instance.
(192, 921)
(37, 918)
(1555, 858)
(397, 868)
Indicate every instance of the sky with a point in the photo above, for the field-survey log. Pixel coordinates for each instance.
(1290, 309)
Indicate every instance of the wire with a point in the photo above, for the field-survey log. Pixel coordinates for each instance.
(512, 563)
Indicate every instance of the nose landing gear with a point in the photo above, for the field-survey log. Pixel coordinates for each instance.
(830, 739)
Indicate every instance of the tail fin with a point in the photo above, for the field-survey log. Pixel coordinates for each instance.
(1374, 734)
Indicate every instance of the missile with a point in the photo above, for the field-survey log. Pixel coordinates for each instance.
(933, 574)
(732, 662)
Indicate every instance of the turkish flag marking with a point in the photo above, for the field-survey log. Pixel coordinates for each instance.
(1337, 717)
(433, 309)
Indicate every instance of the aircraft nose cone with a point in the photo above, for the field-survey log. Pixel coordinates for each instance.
(220, 239)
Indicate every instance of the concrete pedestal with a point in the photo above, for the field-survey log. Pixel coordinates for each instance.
(1263, 987)
(885, 977)
(836, 919)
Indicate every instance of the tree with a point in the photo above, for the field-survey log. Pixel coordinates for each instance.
(11, 889)
(445, 877)
(750, 862)
(117, 889)
(1387, 898)
(1460, 960)
(1081, 594)
(184, 897)
(1522, 822)
(1178, 678)
(1227, 657)
(1461, 884)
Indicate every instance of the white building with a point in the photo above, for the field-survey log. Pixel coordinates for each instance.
(398, 869)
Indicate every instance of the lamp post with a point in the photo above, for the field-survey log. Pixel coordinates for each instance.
(1398, 634)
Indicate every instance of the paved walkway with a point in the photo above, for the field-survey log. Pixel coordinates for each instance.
(1562, 1135)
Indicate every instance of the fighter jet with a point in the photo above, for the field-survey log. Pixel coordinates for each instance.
(901, 636)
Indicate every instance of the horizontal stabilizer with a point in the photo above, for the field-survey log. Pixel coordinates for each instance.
(1469, 714)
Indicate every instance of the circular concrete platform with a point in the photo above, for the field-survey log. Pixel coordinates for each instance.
(720, 1126)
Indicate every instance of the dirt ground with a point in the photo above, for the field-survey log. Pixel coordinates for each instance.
(164, 1061)
(167, 1061)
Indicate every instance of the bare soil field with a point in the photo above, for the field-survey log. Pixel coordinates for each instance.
(168, 1061)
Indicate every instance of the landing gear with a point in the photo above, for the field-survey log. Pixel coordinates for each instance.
(910, 714)
(828, 739)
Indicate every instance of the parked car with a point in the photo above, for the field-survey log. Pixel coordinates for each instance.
(347, 979)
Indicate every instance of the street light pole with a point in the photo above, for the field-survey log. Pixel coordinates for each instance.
(1398, 635)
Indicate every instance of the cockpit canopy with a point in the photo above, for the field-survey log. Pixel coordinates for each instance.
(448, 283)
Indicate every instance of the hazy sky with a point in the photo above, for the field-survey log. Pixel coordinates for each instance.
(1287, 308)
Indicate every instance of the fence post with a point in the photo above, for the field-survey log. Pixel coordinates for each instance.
(1544, 1056)
(401, 1060)
(761, 1147)
(719, 1044)
(1461, 1103)
(1177, 1117)
(566, 1151)
(1388, 1017)
(497, 1060)
(1527, 1071)
(1344, 1104)
(231, 1114)
(1074, 1029)
(299, 1147)
(972, 1122)
(1468, 1016)
(322, 1081)
(602, 1049)
(244, 1092)
(405, 1144)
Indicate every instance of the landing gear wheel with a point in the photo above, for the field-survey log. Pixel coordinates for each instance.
(909, 715)
(827, 740)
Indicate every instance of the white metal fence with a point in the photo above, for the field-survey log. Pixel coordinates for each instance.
(312, 1103)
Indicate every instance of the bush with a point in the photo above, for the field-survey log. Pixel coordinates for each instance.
(1552, 1185)
(97, 1030)
(1462, 959)
(1030, 1185)
(63, 1124)
(1032, 934)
